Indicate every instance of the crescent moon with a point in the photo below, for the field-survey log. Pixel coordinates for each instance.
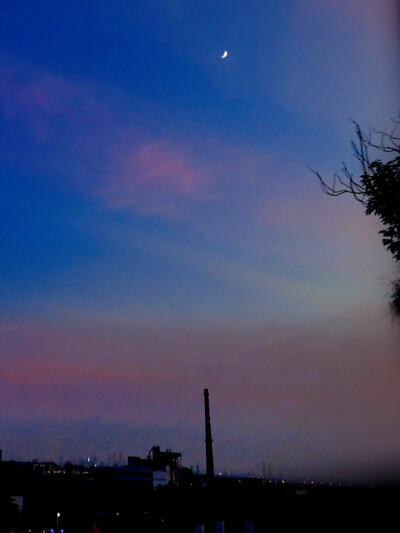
(224, 54)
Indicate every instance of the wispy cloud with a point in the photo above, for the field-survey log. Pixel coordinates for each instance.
(81, 138)
(154, 178)
(46, 104)
(300, 380)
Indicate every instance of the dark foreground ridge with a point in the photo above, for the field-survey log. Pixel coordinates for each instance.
(158, 495)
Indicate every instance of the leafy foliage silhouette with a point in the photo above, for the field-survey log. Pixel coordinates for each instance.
(377, 188)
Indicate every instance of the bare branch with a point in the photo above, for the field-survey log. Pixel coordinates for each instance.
(377, 188)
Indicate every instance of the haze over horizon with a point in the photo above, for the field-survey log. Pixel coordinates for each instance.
(162, 233)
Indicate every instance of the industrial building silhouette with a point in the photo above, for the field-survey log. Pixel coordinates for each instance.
(159, 494)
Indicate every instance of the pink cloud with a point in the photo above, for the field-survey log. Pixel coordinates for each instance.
(44, 103)
(156, 177)
(166, 168)
(299, 360)
(29, 372)
(76, 137)
(118, 163)
(41, 355)
(309, 382)
(46, 94)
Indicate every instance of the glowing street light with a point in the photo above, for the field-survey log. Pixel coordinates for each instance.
(58, 516)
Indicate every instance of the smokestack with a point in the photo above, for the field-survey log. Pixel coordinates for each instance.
(209, 450)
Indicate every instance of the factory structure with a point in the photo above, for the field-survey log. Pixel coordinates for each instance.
(158, 494)
(42, 493)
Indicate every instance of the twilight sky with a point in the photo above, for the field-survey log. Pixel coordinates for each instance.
(161, 233)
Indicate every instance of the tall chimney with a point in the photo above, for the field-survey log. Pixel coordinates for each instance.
(209, 450)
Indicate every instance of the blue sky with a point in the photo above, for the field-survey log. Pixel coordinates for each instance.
(162, 233)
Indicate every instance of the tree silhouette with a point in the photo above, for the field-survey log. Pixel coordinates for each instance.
(377, 188)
